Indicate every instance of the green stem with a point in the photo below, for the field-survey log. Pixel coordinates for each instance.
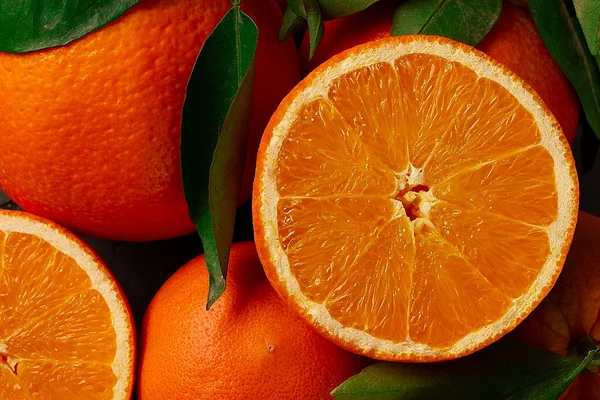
(583, 347)
(594, 364)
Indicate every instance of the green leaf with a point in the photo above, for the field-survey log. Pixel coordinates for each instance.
(214, 136)
(310, 11)
(315, 12)
(332, 9)
(588, 13)
(292, 23)
(506, 370)
(29, 25)
(564, 38)
(467, 21)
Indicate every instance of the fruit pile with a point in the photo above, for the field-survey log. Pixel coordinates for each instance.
(414, 199)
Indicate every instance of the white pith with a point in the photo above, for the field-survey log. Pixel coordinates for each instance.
(566, 184)
(100, 281)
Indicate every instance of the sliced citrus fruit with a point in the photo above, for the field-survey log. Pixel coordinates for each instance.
(66, 330)
(414, 199)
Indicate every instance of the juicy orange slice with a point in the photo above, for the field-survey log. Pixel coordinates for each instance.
(66, 331)
(414, 199)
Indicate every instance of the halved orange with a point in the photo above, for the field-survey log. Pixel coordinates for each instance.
(414, 199)
(66, 330)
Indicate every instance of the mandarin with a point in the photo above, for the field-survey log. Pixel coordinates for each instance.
(90, 131)
(414, 199)
(250, 345)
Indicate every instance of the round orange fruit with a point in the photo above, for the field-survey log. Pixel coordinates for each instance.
(66, 330)
(572, 309)
(414, 199)
(250, 345)
(514, 41)
(90, 131)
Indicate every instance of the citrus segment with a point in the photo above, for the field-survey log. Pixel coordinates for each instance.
(314, 160)
(65, 327)
(521, 187)
(367, 109)
(85, 316)
(510, 264)
(67, 381)
(379, 306)
(25, 292)
(450, 297)
(431, 87)
(414, 199)
(310, 226)
(479, 133)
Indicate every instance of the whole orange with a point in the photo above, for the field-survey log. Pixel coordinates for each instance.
(90, 131)
(514, 41)
(571, 311)
(250, 345)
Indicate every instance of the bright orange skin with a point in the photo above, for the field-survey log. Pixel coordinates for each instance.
(571, 310)
(514, 41)
(250, 345)
(90, 132)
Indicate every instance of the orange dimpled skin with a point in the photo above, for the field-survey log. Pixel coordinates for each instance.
(250, 345)
(90, 131)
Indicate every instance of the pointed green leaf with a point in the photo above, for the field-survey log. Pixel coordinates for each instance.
(467, 21)
(564, 38)
(332, 9)
(311, 11)
(29, 25)
(588, 13)
(292, 23)
(506, 370)
(214, 136)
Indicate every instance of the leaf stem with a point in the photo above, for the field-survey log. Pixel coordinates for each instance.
(594, 364)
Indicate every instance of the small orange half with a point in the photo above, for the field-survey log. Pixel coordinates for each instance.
(66, 330)
(414, 199)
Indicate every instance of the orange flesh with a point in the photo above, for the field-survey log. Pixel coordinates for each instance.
(56, 333)
(415, 200)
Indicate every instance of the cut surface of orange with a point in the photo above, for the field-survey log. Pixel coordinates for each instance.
(414, 199)
(66, 330)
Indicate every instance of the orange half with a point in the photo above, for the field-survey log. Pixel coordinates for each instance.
(414, 199)
(66, 330)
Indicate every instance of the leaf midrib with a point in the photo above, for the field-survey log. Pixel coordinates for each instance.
(433, 14)
(238, 42)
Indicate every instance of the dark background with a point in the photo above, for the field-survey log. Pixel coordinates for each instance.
(142, 268)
